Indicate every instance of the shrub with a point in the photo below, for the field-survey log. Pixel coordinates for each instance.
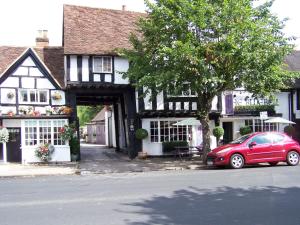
(170, 146)
(245, 130)
(249, 108)
(289, 130)
(218, 132)
(141, 134)
(74, 146)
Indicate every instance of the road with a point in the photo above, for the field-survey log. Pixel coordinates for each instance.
(251, 196)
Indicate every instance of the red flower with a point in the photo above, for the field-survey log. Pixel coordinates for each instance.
(62, 130)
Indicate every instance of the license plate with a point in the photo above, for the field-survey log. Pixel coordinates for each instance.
(210, 163)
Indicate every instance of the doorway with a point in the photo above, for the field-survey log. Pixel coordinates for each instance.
(13, 146)
(228, 132)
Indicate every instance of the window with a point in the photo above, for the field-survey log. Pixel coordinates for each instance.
(277, 138)
(102, 64)
(43, 131)
(34, 96)
(184, 92)
(154, 131)
(262, 139)
(258, 125)
(164, 131)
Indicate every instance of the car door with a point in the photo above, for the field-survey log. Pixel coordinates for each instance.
(277, 151)
(260, 151)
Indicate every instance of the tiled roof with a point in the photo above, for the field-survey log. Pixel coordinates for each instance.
(52, 57)
(100, 115)
(293, 64)
(97, 31)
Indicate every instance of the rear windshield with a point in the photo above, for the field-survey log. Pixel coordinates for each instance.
(241, 140)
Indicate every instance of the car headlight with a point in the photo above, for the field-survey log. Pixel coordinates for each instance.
(224, 150)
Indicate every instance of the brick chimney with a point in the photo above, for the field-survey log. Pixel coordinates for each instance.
(42, 39)
(123, 7)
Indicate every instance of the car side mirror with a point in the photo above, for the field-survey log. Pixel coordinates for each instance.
(253, 143)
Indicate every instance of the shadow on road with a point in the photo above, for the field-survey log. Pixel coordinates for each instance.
(254, 206)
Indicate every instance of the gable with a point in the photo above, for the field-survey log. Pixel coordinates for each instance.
(28, 72)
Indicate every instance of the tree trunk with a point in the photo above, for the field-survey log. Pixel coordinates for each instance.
(203, 115)
(205, 135)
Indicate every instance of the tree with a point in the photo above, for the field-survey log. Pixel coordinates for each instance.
(214, 45)
(87, 113)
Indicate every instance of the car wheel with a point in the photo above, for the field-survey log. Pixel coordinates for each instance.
(236, 161)
(273, 163)
(292, 158)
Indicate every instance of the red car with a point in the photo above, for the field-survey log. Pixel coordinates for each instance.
(270, 147)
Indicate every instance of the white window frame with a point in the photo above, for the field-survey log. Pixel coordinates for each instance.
(37, 93)
(169, 132)
(23, 122)
(257, 122)
(182, 93)
(102, 63)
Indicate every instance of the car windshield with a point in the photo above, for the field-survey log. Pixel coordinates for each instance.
(240, 140)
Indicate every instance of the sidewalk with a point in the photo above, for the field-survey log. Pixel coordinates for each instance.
(97, 159)
(18, 170)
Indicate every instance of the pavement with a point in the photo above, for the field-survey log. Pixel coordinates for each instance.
(98, 159)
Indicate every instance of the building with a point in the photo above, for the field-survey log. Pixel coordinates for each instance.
(32, 101)
(87, 70)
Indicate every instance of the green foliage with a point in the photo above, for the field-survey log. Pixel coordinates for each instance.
(74, 146)
(218, 132)
(87, 113)
(249, 108)
(289, 130)
(245, 130)
(141, 134)
(170, 146)
(68, 131)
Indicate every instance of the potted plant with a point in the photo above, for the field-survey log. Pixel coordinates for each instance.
(10, 113)
(23, 110)
(218, 132)
(75, 149)
(289, 130)
(65, 110)
(56, 96)
(141, 134)
(48, 110)
(10, 95)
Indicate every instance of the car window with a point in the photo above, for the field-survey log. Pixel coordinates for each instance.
(261, 139)
(240, 140)
(277, 138)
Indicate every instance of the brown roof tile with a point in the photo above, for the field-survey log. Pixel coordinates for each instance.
(52, 57)
(97, 31)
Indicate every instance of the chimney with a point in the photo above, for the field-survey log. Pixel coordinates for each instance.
(42, 39)
(123, 7)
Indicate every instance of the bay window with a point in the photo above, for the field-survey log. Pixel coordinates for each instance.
(43, 131)
(164, 131)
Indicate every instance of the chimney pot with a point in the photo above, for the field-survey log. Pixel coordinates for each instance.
(123, 7)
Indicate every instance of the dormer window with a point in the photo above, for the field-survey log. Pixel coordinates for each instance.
(102, 64)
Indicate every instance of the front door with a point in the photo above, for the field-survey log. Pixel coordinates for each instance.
(13, 146)
(228, 132)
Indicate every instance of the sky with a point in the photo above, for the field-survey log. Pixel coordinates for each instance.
(20, 19)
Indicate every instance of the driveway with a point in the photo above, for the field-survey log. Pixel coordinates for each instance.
(101, 159)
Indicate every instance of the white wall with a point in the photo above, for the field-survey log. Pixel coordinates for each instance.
(60, 154)
(121, 65)
(73, 68)
(283, 104)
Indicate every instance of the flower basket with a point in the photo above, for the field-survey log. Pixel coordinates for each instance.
(44, 151)
(10, 95)
(65, 110)
(67, 132)
(4, 135)
(56, 96)
(10, 113)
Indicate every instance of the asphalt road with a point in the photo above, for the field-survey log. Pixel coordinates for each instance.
(251, 196)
